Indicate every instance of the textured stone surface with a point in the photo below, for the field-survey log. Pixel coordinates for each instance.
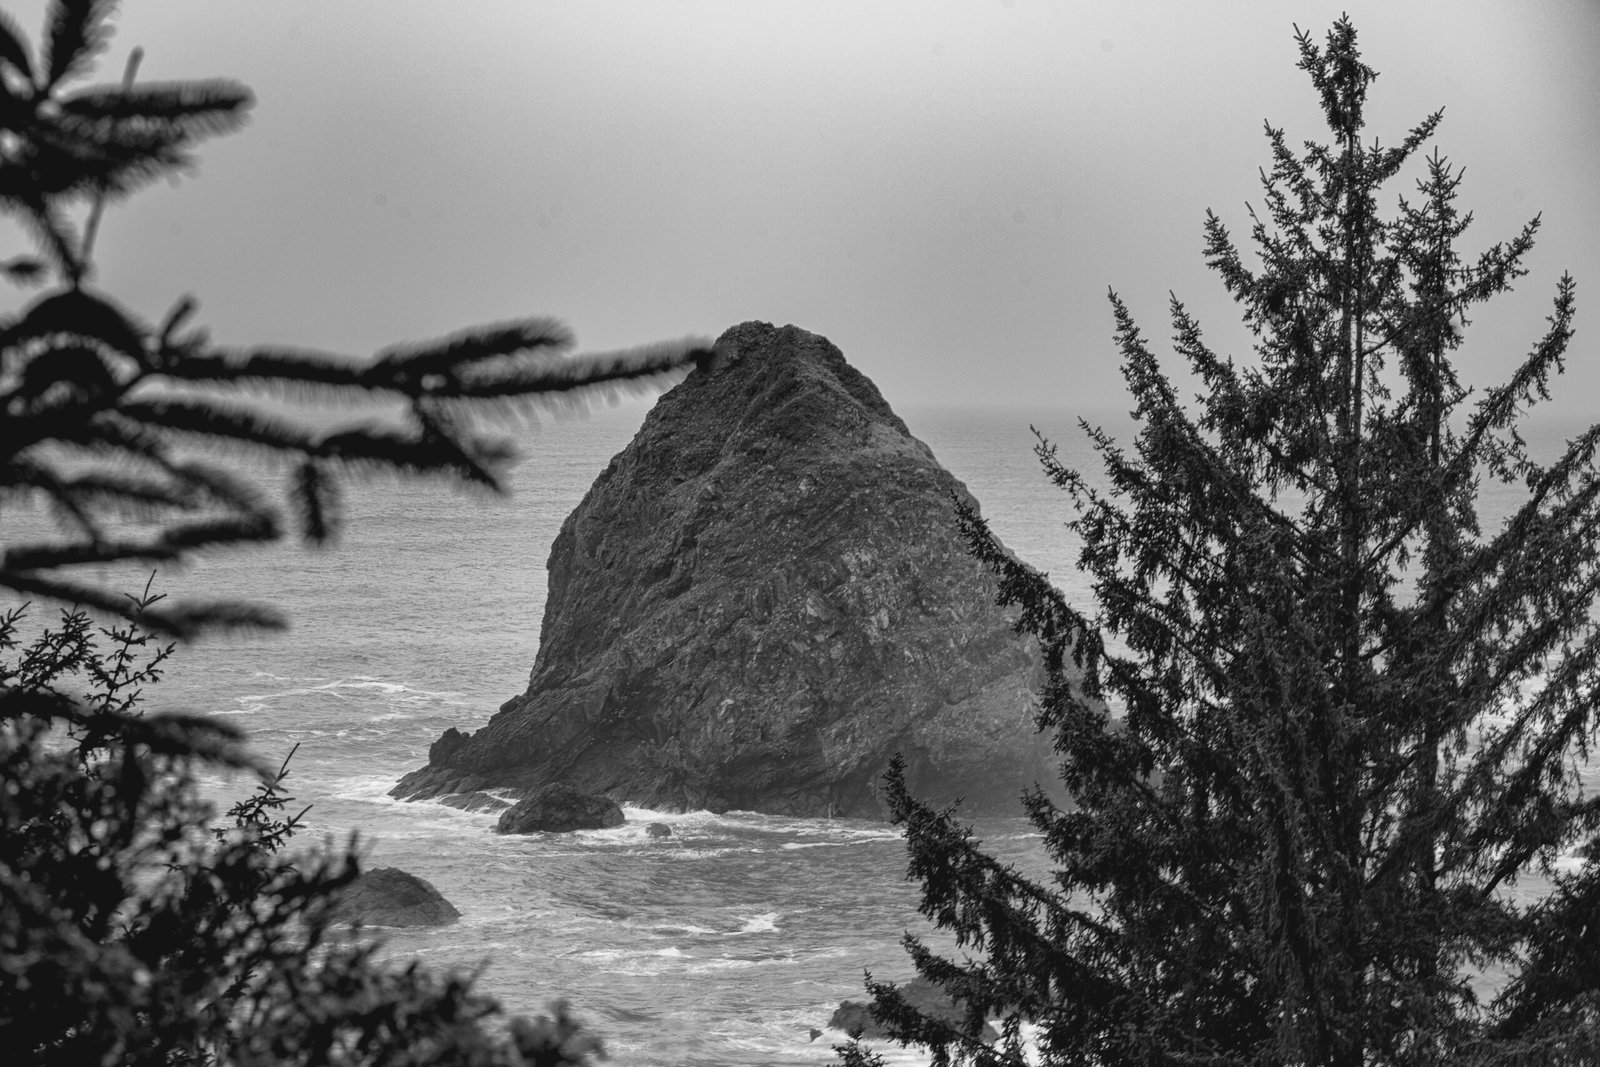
(557, 809)
(761, 600)
(388, 896)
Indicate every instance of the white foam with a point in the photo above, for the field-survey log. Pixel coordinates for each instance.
(365, 683)
(674, 928)
(765, 923)
(894, 1055)
(671, 953)
(730, 963)
(375, 789)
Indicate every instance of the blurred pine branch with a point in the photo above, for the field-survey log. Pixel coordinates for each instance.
(102, 414)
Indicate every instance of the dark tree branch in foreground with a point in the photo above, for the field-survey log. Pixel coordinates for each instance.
(106, 419)
(128, 935)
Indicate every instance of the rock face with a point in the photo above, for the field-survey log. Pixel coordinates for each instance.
(558, 809)
(761, 600)
(388, 896)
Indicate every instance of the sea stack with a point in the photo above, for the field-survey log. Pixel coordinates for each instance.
(760, 601)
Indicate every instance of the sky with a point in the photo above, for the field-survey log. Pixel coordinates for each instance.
(945, 190)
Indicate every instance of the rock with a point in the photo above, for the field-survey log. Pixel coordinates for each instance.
(477, 800)
(557, 809)
(854, 1017)
(388, 896)
(760, 601)
(658, 829)
(449, 741)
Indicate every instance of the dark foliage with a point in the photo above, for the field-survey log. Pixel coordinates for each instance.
(1321, 720)
(106, 418)
(129, 935)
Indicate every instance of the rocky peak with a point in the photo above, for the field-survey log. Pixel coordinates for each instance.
(760, 600)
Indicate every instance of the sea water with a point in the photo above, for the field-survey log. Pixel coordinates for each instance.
(729, 942)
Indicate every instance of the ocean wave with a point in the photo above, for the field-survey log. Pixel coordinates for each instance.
(281, 677)
(794, 846)
(765, 923)
(738, 823)
(734, 963)
(362, 681)
(664, 929)
(349, 689)
(374, 789)
(671, 952)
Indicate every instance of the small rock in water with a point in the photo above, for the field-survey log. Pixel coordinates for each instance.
(557, 809)
(855, 1017)
(388, 896)
(658, 829)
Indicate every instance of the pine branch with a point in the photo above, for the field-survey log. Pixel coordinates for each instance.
(14, 50)
(182, 621)
(194, 417)
(80, 314)
(76, 31)
(317, 500)
(158, 113)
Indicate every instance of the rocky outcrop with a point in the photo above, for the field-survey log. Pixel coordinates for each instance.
(760, 601)
(559, 809)
(388, 896)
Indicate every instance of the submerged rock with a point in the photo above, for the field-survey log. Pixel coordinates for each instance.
(658, 829)
(388, 896)
(760, 601)
(559, 809)
(854, 1017)
(477, 800)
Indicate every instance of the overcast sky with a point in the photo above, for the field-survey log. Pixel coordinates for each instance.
(946, 190)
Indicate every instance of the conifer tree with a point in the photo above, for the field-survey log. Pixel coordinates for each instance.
(129, 935)
(1320, 719)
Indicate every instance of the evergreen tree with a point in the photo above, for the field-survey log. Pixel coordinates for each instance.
(1320, 720)
(129, 935)
(106, 418)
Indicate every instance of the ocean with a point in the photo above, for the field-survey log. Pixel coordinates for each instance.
(732, 941)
